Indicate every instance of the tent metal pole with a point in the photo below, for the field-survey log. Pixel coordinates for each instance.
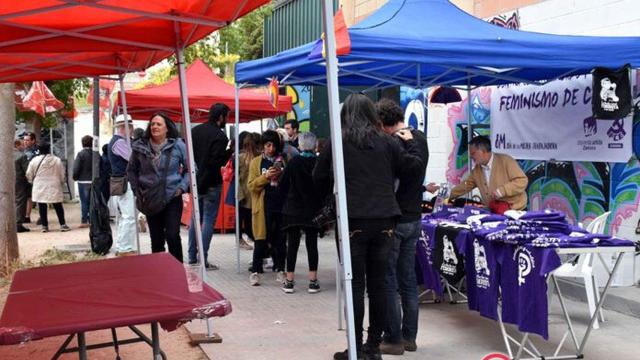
(128, 138)
(469, 121)
(236, 173)
(184, 97)
(338, 170)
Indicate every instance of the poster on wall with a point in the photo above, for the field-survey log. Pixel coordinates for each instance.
(554, 121)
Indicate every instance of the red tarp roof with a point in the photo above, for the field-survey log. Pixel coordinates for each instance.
(59, 39)
(204, 88)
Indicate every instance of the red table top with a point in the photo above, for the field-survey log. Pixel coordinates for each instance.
(71, 298)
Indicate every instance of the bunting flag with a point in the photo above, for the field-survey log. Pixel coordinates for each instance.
(343, 41)
(273, 93)
(41, 100)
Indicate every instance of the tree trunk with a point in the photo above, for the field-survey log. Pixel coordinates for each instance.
(8, 236)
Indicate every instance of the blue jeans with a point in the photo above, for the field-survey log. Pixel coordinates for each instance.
(401, 278)
(84, 190)
(209, 204)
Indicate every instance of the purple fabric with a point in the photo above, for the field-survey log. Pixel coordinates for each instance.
(482, 276)
(430, 276)
(121, 149)
(523, 281)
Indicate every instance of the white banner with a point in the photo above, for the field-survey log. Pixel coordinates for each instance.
(554, 121)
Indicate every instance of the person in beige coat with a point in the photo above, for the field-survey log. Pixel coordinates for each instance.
(46, 173)
(497, 176)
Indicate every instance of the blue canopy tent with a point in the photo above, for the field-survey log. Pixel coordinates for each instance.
(422, 43)
(432, 42)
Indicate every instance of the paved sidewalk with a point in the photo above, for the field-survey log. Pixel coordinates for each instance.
(271, 325)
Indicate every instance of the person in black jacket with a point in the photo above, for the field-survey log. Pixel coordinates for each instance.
(210, 154)
(82, 171)
(373, 161)
(301, 205)
(402, 328)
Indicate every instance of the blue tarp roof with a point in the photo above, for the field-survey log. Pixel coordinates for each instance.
(428, 42)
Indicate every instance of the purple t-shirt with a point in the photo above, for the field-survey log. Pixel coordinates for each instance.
(523, 281)
(482, 276)
(424, 258)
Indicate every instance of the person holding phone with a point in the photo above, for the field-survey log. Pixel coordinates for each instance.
(266, 207)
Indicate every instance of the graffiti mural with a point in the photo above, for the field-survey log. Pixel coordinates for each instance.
(415, 112)
(457, 120)
(509, 20)
(301, 101)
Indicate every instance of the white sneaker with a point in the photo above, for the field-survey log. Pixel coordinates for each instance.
(254, 279)
(281, 277)
(267, 263)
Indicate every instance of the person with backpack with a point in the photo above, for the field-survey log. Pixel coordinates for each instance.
(159, 175)
(46, 173)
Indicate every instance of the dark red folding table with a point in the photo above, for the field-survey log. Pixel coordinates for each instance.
(72, 299)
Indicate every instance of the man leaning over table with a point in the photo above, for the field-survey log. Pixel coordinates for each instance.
(497, 176)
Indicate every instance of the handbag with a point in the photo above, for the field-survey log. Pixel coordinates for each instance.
(152, 200)
(227, 171)
(117, 185)
(499, 206)
(327, 214)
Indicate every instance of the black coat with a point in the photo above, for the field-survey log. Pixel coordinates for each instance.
(83, 166)
(370, 175)
(302, 200)
(409, 193)
(210, 154)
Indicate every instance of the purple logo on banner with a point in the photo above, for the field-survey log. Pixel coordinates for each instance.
(616, 131)
(590, 126)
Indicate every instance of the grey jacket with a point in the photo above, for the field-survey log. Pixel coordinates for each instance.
(142, 173)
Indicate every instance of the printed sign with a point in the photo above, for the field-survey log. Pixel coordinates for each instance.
(554, 121)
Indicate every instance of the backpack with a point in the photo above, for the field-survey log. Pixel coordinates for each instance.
(100, 230)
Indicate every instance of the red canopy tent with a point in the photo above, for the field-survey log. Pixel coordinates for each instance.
(204, 88)
(61, 39)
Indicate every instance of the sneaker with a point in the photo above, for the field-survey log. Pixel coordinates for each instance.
(287, 287)
(314, 286)
(245, 245)
(254, 279)
(212, 266)
(410, 345)
(45, 229)
(281, 277)
(344, 355)
(20, 228)
(392, 348)
(64, 228)
(39, 222)
(267, 263)
(83, 225)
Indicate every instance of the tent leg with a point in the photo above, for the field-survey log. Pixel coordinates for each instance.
(469, 123)
(338, 170)
(128, 138)
(184, 97)
(236, 173)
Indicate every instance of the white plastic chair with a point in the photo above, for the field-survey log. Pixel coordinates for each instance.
(583, 268)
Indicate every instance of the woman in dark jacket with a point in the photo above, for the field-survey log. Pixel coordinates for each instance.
(160, 151)
(372, 163)
(301, 205)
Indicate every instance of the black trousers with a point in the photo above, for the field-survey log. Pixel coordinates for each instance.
(165, 227)
(371, 242)
(293, 244)
(21, 202)
(276, 239)
(42, 208)
(245, 222)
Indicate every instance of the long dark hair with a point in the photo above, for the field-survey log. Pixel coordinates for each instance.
(172, 130)
(360, 124)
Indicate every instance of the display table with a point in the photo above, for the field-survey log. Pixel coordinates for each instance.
(508, 282)
(72, 299)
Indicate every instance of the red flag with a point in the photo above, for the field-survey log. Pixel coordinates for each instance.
(343, 41)
(273, 93)
(41, 100)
